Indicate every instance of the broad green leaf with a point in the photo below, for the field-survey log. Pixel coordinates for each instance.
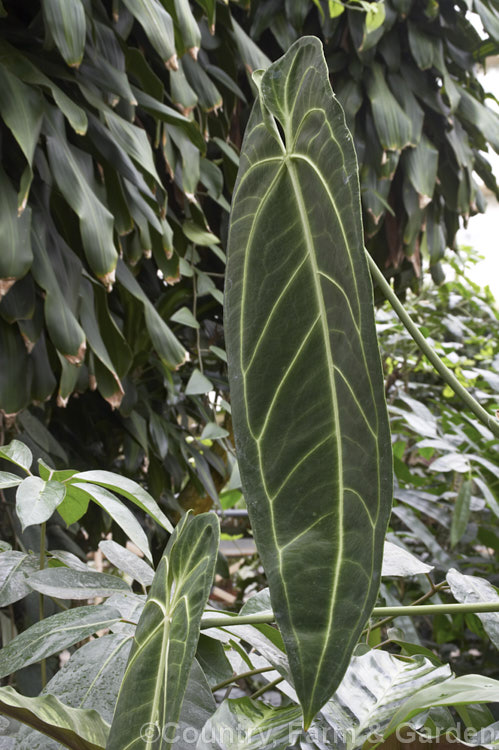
(79, 729)
(74, 505)
(9, 480)
(116, 509)
(66, 21)
(15, 567)
(422, 46)
(213, 431)
(251, 724)
(127, 561)
(306, 388)
(470, 688)
(65, 583)
(472, 590)
(129, 489)
(54, 634)
(158, 26)
(36, 500)
(336, 8)
(185, 317)
(461, 514)
(166, 637)
(197, 235)
(399, 562)
(21, 108)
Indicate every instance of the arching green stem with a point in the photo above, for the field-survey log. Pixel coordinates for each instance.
(487, 419)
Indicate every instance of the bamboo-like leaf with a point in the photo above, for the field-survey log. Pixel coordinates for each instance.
(158, 26)
(393, 126)
(81, 729)
(166, 637)
(461, 514)
(21, 108)
(307, 393)
(66, 21)
(16, 255)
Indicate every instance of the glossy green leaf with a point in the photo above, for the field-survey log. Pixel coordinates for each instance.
(306, 388)
(128, 562)
(461, 514)
(36, 500)
(18, 453)
(15, 568)
(9, 480)
(66, 22)
(166, 637)
(80, 729)
(65, 583)
(251, 724)
(472, 590)
(129, 489)
(118, 511)
(74, 505)
(54, 634)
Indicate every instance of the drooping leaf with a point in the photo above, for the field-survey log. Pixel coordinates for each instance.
(166, 637)
(18, 453)
(158, 26)
(307, 396)
(16, 256)
(399, 562)
(21, 108)
(66, 22)
(81, 729)
(472, 590)
(64, 583)
(54, 634)
(127, 561)
(393, 126)
(9, 480)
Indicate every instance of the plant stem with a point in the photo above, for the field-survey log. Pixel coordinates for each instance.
(487, 419)
(269, 686)
(222, 621)
(43, 663)
(434, 590)
(241, 676)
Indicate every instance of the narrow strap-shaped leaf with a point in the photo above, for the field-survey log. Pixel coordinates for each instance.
(166, 637)
(66, 22)
(80, 729)
(306, 386)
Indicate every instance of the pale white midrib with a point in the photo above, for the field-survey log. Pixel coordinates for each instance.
(334, 402)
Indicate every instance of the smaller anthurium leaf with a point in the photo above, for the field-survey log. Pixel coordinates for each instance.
(9, 480)
(36, 500)
(185, 317)
(15, 567)
(127, 561)
(166, 637)
(399, 562)
(18, 453)
(213, 431)
(129, 489)
(471, 688)
(54, 634)
(461, 514)
(198, 384)
(80, 729)
(198, 235)
(473, 590)
(451, 462)
(66, 22)
(65, 583)
(251, 724)
(117, 510)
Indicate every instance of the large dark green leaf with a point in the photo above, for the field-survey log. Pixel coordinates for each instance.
(166, 637)
(307, 393)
